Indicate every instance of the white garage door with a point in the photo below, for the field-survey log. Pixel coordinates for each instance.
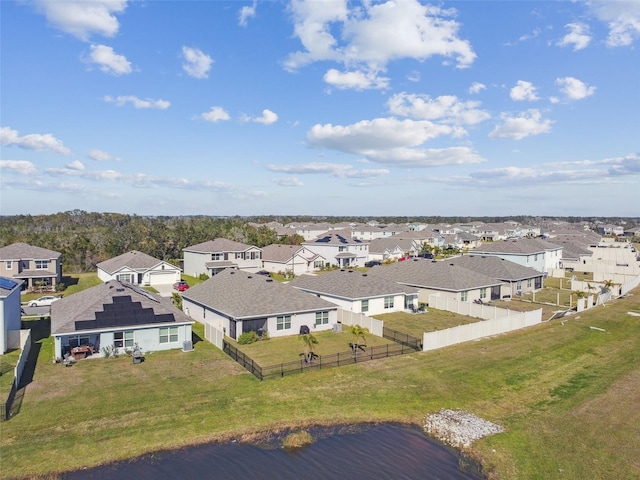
(163, 278)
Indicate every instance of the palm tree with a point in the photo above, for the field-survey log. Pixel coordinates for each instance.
(309, 340)
(358, 333)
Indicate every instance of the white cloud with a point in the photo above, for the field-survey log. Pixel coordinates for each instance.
(20, 167)
(216, 114)
(289, 182)
(374, 34)
(109, 61)
(523, 91)
(371, 135)
(622, 18)
(82, 18)
(34, 141)
(75, 165)
(527, 124)
(100, 156)
(246, 13)
(414, 76)
(574, 89)
(393, 142)
(197, 63)
(446, 108)
(578, 36)
(356, 80)
(425, 157)
(268, 117)
(477, 87)
(137, 102)
(334, 169)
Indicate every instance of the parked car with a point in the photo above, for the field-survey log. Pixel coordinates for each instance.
(426, 255)
(372, 263)
(181, 286)
(43, 301)
(264, 272)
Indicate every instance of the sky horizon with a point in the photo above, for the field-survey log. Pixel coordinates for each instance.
(320, 108)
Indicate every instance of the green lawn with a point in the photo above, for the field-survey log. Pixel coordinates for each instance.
(291, 349)
(566, 394)
(419, 323)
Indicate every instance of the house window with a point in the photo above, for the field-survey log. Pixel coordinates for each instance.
(464, 296)
(483, 293)
(364, 306)
(42, 264)
(123, 339)
(77, 340)
(216, 257)
(322, 318)
(528, 283)
(342, 249)
(283, 322)
(124, 277)
(519, 286)
(238, 255)
(388, 302)
(317, 264)
(8, 265)
(168, 334)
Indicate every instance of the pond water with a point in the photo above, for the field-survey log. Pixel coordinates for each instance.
(387, 451)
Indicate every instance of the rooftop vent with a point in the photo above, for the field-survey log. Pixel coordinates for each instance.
(269, 280)
(364, 274)
(119, 289)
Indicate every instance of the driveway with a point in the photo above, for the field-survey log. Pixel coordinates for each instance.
(165, 290)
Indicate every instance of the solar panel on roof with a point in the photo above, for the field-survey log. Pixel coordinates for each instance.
(7, 283)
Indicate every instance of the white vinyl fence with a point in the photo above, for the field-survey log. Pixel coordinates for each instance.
(496, 321)
(374, 326)
(213, 335)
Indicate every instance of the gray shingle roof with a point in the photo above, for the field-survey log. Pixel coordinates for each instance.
(525, 246)
(82, 306)
(351, 284)
(279, 253)
(425, 273)
(219, 245)
(335, 239)
(379, 245)
(133, 259)
(18, 251)
(496, 267)
(239, 294)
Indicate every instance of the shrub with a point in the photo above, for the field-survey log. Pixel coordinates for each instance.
(203, 277)
(248, 337)
(297, 439)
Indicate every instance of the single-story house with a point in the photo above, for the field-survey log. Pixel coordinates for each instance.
(290, 258)
(359, 292)
(521, 279)
(40, 268)
(444, 279)
(117, 315)
(138, 268)
(392, 248)
(237, 302)
(220, 254)
(10, 321)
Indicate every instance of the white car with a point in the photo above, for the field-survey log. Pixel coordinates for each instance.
(43, 301)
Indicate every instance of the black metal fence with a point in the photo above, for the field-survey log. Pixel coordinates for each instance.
(359, 354)
(403, 338)
(5, 407)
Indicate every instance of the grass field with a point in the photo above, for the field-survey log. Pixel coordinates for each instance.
(567, 395)
(419, 323)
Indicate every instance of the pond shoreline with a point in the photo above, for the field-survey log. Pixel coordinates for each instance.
(272, 439)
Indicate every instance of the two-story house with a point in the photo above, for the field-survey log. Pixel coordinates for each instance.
(40, 268)
(340, 250)
(528, 252)
(216, 255)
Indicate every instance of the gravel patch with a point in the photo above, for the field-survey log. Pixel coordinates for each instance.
(458, 428)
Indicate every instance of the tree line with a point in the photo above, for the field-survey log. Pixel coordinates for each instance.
(86, 238)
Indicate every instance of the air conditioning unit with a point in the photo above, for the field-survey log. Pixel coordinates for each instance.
(187, 346)
(337, 327)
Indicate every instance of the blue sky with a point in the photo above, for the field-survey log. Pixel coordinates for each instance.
(320, 107)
